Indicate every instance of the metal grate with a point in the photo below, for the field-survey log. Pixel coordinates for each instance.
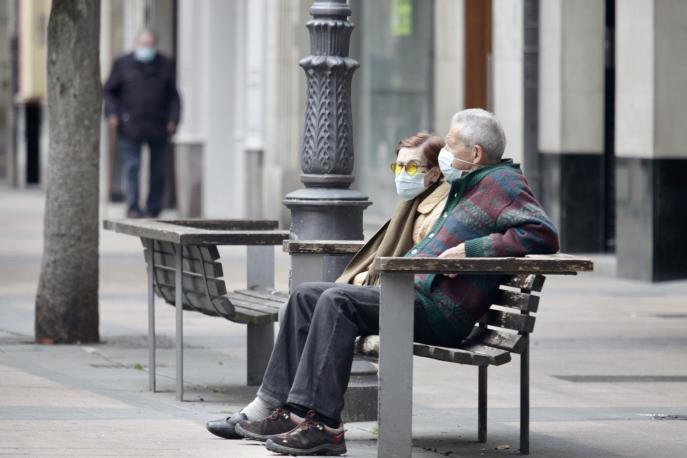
(662, 416)
(671, 316)
(623, 378)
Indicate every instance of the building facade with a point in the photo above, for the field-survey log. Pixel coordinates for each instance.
(589, 92)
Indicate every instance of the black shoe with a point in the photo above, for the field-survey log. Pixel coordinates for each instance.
(226, 426)
(134, 214)
(311, 437)
(150, 215)
(281, 421)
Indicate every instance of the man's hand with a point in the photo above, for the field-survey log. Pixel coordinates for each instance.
(171, 128)
(113, 121)
(457, 252)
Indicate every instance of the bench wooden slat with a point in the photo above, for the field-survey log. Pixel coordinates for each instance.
(239, 309)
(271, 237)
(182, 234)
(251, 302)
(229, 224)
(531, 282)
(207, 253)
(369, 346)
(189, 300)
(247, 315)
(197, 302)
(190, 282)
(213, 269)
(167, 293)
(254, 308)
(496, 356)
(267, 294)
(452, 355)
(521, 301)
(330, 247)
(194, 271)
(502, 340)
(514, 321)
(541, 264)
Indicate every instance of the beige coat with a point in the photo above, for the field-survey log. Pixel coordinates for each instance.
(410, 223)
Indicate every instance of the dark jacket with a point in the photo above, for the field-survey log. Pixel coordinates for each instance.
(143, 96)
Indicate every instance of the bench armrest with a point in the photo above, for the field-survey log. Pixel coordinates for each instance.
(324, 247)
(561, 264)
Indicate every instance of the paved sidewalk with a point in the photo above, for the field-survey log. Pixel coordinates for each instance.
(609, 369)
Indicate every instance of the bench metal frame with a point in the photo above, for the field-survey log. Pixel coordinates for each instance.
(202, 238)
(396, 342)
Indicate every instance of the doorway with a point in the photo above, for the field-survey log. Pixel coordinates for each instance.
(608, 187)
(478, 54)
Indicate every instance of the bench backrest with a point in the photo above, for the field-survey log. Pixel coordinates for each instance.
(509, 321)
(203, 289)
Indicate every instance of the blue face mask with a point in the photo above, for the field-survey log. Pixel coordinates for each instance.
(145, 54)
(408, 187)
(450, 173)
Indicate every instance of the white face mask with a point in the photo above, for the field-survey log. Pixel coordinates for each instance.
(408, 187)
(145, 53)
(451, 174)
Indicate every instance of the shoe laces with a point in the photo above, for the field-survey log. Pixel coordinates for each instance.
(311, 422)
(279, 412)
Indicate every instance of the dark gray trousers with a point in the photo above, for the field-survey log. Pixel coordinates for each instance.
(312, 357)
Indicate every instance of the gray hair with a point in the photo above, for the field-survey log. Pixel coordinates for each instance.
(480, 127)
(148, 31)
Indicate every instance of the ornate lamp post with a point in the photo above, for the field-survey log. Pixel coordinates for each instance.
(327, 208)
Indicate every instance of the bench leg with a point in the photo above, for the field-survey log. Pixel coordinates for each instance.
(482, 401)
(525, 399)
(395, 408)
(179, 324)
(260, 344)
(151, 316)
(260, 266)
(260, 337)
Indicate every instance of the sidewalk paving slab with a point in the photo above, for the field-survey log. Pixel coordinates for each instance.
(609, 369)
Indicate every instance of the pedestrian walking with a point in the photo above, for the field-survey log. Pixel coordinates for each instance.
(142, 104)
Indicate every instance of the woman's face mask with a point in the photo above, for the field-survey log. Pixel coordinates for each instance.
(409, 187)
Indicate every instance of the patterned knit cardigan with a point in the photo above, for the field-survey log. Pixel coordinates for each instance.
(494, 212)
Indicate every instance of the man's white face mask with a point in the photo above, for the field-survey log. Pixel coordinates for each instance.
(451, 174)
(145, 54)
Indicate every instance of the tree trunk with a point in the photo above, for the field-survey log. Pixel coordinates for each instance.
(67, 297)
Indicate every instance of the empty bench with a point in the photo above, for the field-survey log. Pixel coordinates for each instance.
(504, 329)
(184, 269)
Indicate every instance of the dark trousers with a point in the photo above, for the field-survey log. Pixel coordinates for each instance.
(130, 151)
(312, 357)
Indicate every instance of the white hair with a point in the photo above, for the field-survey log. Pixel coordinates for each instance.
(480, 127)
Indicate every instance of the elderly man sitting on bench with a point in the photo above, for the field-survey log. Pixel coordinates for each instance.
(490, 211)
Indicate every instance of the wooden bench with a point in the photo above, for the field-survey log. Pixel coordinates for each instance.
(504, 330)
(185, 270)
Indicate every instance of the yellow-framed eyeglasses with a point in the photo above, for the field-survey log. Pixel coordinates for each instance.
(411, 167)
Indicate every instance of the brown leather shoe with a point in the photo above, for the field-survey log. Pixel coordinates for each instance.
(311, 437)
(281, 421)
